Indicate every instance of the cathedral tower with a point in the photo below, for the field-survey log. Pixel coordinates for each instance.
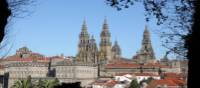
(87, 48)
(146, 53)
(83, 46)
(105, 53)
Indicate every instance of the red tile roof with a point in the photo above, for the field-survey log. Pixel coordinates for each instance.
(137, 74)
(100, 82)
(122, 74)
(108, 83)
(155, 83)
(134, 65)
(169, 82)
(25, 59)
(111, 83)
(145, 74)
(173, 75)
(122, 65)
(158, 65)
(180, 82)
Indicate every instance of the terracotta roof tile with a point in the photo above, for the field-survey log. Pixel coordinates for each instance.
(108, 83)
(155, 83)
(169, 82)
(173, 75)
(122, 65)
(134, 65)
(121, 74)
(145, 74)
(25, 59)
(111, 83)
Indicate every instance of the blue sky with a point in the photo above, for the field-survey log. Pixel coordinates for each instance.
(53, 27)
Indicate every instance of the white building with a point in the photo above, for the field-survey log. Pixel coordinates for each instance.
(144, 76)
(123, 77)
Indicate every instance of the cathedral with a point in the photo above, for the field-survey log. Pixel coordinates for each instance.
(90, 63)
(88, 51)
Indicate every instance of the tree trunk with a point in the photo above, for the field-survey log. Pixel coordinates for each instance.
(5, 12)
(194, 49)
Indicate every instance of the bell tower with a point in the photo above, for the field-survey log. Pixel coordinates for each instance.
(146, 53)
(83, 46)
(105, 53)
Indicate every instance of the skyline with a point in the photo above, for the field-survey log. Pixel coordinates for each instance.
(52, 31)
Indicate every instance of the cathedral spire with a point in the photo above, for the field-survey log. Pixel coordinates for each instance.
(146, 44)
(105, 31)
(84, 26)
(146, 53)
(105, 25)
(83, 45)
(105, 44)
(146, 36)
(84, 34)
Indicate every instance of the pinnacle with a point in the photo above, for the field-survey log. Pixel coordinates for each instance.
(105, 25)
(146, 29)
(84, 27)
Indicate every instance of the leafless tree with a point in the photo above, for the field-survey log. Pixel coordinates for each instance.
(175, 16)
(181, 19)
(8, 10)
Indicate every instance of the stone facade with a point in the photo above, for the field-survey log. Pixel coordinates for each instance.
(88, 51)
(76, 73)
(87, 48)
(105, 53)
(116, 68)
(65, 69)
(67, 72)
(146, 53)
(21, 70)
